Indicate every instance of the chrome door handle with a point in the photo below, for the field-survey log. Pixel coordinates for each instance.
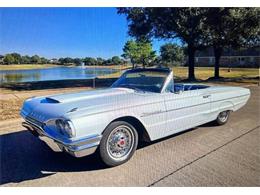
(206, 96)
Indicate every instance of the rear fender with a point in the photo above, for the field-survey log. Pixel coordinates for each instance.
(226, 106)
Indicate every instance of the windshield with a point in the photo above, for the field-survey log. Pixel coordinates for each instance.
(144, 80)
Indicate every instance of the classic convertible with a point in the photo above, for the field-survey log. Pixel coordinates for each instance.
(143, 104)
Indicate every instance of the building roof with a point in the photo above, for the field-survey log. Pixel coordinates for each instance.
(254, 51)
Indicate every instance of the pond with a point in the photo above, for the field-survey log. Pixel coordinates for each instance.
(56, 73)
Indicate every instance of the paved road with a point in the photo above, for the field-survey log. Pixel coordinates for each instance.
(205, 156)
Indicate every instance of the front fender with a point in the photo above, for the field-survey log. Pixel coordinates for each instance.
(97, 123)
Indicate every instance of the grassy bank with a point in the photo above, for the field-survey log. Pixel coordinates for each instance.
(203, 73)
(26, 66)
(115, 67)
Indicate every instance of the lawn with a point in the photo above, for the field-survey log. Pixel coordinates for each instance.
(115, 67)
(203, 73)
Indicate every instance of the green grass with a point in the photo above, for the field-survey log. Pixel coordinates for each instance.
(115, 67)
(26, 66)
(203, 73)
(206, 72)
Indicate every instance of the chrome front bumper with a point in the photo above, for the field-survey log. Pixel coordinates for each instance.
(77, 148)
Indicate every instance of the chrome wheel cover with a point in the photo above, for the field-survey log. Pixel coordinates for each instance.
(120, 143)
(223, 116)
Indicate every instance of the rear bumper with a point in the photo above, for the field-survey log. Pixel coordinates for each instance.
(76, 148)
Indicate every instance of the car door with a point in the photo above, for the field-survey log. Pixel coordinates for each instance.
(186, 109)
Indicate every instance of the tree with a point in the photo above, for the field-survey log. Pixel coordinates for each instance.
(186, 24)
(43, 60)
(140, 51)
(90, 61)
(146, 53)
(9, 59)
(66, 60)
(77, 61)
(108, 61)
(17, 58)
(172, 53)
(157, 61)
(100, 61)
(26, 59)
(35, 59)
(131, 52)
(231, 27)
(116, 60)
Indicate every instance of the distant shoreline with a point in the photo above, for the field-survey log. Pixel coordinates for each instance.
(27, 66)
(43, 66)
(115, 67)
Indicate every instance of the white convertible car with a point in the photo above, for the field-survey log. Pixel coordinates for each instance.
(143, 104)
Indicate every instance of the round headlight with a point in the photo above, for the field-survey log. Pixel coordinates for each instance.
(65, 127)
(68, 129)
(60, 125)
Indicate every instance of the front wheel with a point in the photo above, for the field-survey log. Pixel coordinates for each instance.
(223, 117)
(118, 143)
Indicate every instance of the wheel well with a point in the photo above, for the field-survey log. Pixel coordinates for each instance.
(229, 110)
(141, 130)
(226, 106)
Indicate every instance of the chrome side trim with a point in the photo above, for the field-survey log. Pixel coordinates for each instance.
(185, 107)
(151, 113)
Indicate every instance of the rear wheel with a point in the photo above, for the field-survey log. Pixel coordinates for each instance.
(118, 143)
(223, 117)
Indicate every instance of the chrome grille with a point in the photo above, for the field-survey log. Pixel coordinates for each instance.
(34, 122)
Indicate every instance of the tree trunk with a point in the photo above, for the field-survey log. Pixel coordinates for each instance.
(217, 54)
(143, 62)
(133, 64)
(191, 53)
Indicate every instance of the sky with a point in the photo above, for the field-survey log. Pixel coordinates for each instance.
(64, 32)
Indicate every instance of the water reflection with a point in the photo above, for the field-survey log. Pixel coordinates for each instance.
(19, 77)
(57, 73)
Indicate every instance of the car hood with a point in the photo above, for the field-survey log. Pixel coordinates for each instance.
(74, 104)
(87, 95)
